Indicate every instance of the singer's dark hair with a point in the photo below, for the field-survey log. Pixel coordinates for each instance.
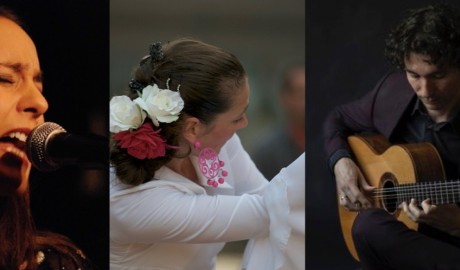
(7, 13)
(433, 30)
(208, 77)
(19, 239)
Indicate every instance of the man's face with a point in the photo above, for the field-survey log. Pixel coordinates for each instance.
(437, 86)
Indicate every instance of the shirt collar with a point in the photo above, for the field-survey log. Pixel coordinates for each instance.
(418, 108)
(454, 121)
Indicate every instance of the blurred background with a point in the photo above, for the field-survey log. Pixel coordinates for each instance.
(72, 41)
(265, 35)
(344, 58)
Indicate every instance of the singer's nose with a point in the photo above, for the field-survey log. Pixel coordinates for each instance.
(33, 102)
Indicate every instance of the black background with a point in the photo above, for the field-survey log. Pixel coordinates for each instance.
(72, 40)
(344, 59)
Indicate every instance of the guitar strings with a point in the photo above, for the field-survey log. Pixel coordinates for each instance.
(426, 189)
(440, 192)
(441, 186)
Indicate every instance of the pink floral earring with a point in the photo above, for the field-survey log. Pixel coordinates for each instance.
(210, 165)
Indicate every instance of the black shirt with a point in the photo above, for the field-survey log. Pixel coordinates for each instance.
(416, 126)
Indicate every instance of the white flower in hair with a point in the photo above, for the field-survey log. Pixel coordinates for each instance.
(161, 105)
(125, 114)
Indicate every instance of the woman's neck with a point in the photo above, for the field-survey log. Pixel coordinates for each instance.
(184, 167)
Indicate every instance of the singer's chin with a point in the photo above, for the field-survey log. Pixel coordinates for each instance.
(11, 174)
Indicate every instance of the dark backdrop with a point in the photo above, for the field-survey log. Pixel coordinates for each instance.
(73, 46)
(344, 58)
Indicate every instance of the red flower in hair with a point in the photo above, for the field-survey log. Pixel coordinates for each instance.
(142, 143)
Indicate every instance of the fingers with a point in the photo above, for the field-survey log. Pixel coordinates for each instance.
(351, 204)
(405, 208)
(427, 206)
(364, 185)
(349, 179)
(411, 210)
(346, 199)
(361, 197)
(424, 208)
(348, 204)
(352, 198)
(415, 212)
(343, 200)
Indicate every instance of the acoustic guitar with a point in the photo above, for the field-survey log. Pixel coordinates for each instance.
(400, 172)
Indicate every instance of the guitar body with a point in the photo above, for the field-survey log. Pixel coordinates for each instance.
(385, 165)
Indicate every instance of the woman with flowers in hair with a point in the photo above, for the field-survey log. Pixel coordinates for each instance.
(181, 183)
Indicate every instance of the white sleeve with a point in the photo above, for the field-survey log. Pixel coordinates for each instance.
(284, 248)
(248, 179)
(166, 214)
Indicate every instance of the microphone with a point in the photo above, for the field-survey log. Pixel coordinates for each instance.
(49, 147)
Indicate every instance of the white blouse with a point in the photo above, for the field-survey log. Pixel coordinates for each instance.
(174, 223)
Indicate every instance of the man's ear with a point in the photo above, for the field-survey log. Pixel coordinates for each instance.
(192, 128)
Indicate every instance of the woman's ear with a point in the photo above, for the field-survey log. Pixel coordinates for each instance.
(192, 128)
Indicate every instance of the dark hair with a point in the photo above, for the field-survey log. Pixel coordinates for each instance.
(10, 15)
(433, 30)
(17, 232)
(208, 77)
(20, 241)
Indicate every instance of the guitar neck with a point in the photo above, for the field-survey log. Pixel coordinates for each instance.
(439, 192)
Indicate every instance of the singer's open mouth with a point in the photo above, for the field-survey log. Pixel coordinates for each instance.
(18, 139)
(13, 157)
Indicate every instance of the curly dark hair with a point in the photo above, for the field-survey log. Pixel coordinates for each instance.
(208, 77)
(433, 30)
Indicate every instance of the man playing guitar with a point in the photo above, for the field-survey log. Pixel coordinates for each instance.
(418, 103)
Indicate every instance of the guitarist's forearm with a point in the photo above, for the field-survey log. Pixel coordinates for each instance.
(456, 221)
(445, 218)
(453, 232)
(338, 155)
(456, 233)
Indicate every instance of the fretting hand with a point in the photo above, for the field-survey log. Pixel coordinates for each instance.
(443, 217)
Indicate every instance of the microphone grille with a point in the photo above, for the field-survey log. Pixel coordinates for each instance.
(36, 146)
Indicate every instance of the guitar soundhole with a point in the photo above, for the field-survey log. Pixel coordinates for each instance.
(388, 197)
